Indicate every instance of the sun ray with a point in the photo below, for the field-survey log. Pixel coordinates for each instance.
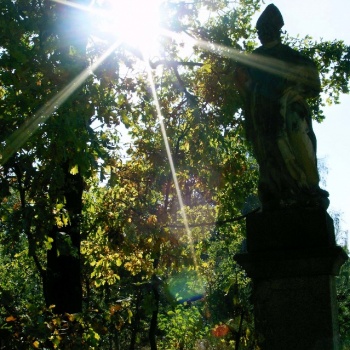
(268, 64)
(72, 4)
(172, 166)
(26, 130)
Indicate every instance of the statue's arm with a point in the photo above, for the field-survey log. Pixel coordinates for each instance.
(310, 79)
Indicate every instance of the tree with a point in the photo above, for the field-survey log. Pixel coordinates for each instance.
(45, 51)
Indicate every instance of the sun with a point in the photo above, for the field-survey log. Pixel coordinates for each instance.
(134, 22)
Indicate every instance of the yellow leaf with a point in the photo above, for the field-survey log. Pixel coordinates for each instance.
(207, 67)
(36, 344)
(186, 146)
(74, 170)
(71, 317)
(130, 314)
(65, 220)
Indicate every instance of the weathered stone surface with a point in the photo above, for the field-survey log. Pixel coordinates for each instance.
(297, 313)
(292, 258)
(289, 229)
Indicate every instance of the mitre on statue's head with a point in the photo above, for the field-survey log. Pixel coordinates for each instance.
(271, 18)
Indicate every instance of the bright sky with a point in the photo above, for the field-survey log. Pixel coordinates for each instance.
(327, 19)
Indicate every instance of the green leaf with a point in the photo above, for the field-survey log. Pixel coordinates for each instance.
(48, 243)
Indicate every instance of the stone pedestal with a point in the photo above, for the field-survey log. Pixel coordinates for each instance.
(292, 259)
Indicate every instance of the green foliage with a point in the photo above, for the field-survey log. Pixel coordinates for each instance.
(183, 327)
(38, 327)
(344, 305)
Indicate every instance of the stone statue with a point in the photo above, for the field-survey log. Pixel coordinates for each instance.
(275, 86)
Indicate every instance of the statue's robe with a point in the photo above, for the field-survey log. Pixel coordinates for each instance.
(279, 127)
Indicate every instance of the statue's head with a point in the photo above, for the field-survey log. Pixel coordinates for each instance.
(269, 24)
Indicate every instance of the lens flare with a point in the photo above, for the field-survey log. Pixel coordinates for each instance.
(187, 286)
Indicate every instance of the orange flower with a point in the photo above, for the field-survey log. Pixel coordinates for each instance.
(10, 319)
(220, 330)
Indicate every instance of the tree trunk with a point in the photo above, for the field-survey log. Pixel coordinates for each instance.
(154, 320)
(152, 334)
(136, 321)
(63, 288)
